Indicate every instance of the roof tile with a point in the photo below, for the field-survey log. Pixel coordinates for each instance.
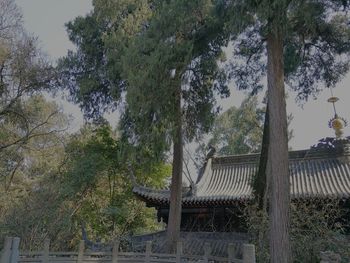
(313, 174)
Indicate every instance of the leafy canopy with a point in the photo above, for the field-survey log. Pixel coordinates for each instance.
(97, 180)
(239, 130)
(92, 73)
(316, 42)
(178, 52)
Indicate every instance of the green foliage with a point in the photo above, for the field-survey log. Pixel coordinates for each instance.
(51, 185)
(319, 227)
(31, 134)
(25, 140)
(239, 130)
(28, 193)
(26, 119)
(316, 227)
(92, 73)
(36, 215)
(86, 183)
(97, 186)
(293, 42)
(133, 46)
(177, 53)
(316, 46)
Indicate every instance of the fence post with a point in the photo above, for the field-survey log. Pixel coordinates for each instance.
(15, 250)
(148, 251)
(45, 258)
(248, 253)
(6, 252)
(207, 251)
(81, 251)
(231, 252)
(115, 251)
(178, 251)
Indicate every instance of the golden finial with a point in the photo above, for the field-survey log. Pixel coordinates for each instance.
(336, 123)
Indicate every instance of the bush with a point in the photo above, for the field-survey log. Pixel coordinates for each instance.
(316, 226)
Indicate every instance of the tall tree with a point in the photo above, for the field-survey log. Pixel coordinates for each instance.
(134, 46)
(172, 74)
(305, 43)
(25, 116)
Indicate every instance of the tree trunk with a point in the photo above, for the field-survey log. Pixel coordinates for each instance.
(279, 198)
(260, 180)
(174, 220)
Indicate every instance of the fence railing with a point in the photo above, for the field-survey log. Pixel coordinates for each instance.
(11, 254)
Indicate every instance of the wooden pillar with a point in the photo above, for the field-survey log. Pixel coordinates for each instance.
(15, 250)
(6, 252)
(81, 251)
(248, 253)
(45, 258)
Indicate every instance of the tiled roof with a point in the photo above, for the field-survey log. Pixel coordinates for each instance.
(320, 172)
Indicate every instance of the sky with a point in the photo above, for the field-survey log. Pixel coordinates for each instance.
(46, 19)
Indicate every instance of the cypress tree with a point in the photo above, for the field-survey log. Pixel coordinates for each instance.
(172, 74)
(302, 44)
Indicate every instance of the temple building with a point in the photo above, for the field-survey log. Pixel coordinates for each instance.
(214, 202)
(213, 206)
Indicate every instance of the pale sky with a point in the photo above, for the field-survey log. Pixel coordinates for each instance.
(46, 19)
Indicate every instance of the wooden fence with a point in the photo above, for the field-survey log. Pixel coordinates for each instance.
(11, 254)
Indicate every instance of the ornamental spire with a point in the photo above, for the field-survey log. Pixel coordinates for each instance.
(336, 123)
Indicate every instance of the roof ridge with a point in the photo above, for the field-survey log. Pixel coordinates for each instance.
(253, 157)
